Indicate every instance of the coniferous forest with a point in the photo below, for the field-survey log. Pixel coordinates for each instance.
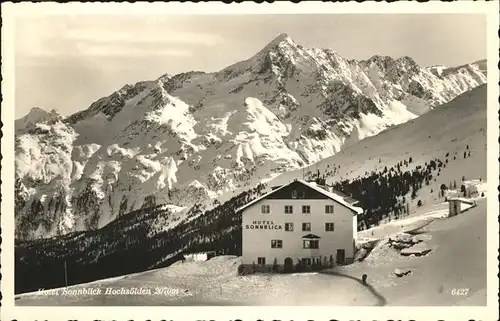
(129, 244)
(138, 241)
(384, 194)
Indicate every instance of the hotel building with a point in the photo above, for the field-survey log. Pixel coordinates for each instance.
(299, 222)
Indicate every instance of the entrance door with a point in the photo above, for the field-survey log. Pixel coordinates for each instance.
(288, 264)
(340, 256)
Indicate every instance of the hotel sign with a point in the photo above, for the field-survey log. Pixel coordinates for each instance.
(263, 225)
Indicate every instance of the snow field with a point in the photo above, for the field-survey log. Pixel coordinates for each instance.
(429, 282)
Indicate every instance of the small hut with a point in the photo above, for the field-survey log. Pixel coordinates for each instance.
(458, 205)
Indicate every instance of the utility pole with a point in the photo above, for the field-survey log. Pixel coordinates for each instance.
(65, 274)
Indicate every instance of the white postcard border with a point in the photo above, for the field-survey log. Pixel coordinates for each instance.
(9, 311)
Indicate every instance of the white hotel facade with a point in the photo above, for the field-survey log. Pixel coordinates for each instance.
(302, 222)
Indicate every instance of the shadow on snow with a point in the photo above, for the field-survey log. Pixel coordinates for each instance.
(381, 300)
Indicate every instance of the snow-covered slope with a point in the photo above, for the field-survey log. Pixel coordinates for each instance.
(151, 238)
(445, 133)
(191, 137)
(458, 241)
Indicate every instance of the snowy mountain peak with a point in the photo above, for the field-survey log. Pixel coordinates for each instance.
(36, 111)
(387, 64)
(35, 116)
(281, 39)
(481, 65)
(383, 62)
(407, 64)
(262, 62)
(282, 44)
(407, 60)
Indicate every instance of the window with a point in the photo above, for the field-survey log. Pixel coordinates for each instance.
(306, 227)
(329, 227)
(266, 209)
(294, 194)
(311, 244)
(288, 209)
(306, 209)
(306, 261)
(261, 260)
(276, 244)
(328, 209)
(289, 227)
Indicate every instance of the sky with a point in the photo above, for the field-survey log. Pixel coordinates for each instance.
(67, 62)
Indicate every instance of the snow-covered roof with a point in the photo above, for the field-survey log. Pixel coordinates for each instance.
(337, 198)
(461, 199)
(258, 199)
(333, 196)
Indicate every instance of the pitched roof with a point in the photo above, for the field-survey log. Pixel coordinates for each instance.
(346, 197)
(461, 199)
(337, 198)
(274, 190)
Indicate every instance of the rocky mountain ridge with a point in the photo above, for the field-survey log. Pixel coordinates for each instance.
(196, 137)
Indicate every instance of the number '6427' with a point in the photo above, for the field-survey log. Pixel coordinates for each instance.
(459, 291)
